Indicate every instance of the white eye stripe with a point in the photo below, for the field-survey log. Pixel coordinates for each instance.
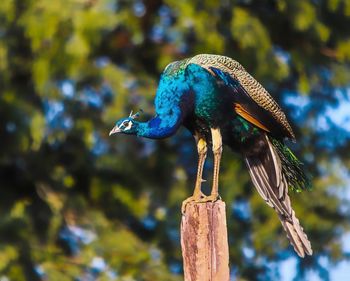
(126, 125)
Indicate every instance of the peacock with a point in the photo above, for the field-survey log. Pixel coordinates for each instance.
(219, 102)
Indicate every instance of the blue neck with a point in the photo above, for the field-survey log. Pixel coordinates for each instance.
(158, 128)
(173, 102)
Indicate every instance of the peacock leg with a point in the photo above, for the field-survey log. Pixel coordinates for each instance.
(217, 151)
(202, 154)
(197, 193)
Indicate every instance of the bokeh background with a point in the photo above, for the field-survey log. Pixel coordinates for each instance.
(76, 204)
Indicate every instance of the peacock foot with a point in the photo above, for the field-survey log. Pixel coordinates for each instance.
(199, 199)
(210, 198)
(193, 198)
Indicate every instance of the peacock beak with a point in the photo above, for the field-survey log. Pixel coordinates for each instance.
(114, 130)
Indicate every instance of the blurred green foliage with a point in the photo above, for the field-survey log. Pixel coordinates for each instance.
(77, 205)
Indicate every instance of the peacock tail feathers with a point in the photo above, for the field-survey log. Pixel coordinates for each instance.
(291, 167)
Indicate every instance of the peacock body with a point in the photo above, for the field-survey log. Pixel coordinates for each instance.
(220, 103)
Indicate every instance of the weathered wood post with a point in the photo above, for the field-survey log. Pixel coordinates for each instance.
(204, 242)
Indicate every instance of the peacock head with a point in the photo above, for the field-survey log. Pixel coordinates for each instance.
(126, 125)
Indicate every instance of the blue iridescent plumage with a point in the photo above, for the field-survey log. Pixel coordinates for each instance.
(220, 103)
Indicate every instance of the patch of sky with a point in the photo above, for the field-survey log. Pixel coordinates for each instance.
(287, 269)
(155, 254)
(332, 123)
(338, 114)
(112, 275)
(323, 261)
(67, 88)
(241, 209)
(341, 271)
(67, 122)
(70, 240)
(157, 33)
(100, 146)
(149, 222)
(233, 273)
(165, 14)
(75, 236)
(139, 9)
(332, 138)
(298, 103)
(38, 269)
(106, 92)
(84, 235)
(325, 73)
(346, 243)
(282, 55)
(53, 109)
(55, 115)
(248, 252)
(341, 189)
(175, 267)
(261, 261)
(313, 275)
(323, 267)
(88, 95)
(272, 271)
(91, 98)
(98, 264)
(163, 31)
(101, 62)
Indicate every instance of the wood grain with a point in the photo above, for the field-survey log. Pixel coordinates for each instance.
(204, 242)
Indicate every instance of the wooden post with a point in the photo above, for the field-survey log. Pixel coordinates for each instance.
(204, 242)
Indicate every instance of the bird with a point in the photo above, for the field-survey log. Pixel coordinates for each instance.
(220, 103)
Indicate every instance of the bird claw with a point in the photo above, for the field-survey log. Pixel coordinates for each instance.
(193, 198)
(210, 198)
(201, 199)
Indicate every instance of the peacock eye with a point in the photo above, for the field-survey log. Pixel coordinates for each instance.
(127, 125)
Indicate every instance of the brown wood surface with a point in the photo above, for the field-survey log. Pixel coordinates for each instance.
(204, 242)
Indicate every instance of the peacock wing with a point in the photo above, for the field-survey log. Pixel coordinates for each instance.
(247, 108)
(254, 103)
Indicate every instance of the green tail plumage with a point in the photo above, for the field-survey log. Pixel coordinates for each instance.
(292, 167)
